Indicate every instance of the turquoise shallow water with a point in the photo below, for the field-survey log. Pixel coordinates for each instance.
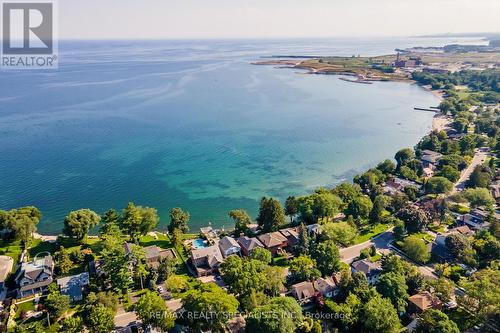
(193, 124)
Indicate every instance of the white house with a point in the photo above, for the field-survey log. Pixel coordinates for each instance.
(34, 276)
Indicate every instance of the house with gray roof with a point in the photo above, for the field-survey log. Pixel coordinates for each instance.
(228, 246)
(34, 276)
(206, 260)
(74, 285)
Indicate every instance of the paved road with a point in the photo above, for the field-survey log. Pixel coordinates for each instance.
(479, 158)
(124, 319)
(381, 242)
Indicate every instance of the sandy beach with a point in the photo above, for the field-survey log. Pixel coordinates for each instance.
(440, 122)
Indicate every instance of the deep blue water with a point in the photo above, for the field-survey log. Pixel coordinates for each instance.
(194, 124)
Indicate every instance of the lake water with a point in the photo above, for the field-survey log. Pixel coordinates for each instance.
(194, 124)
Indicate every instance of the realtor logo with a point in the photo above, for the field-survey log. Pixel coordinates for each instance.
(28, 39)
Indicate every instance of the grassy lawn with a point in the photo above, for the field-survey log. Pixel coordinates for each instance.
(436, 228)
(12, 249)
(39, 246)
(281, 261)
(425, 236)
(370, 231)
(26, 306)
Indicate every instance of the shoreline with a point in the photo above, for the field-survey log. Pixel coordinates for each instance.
(439, 123)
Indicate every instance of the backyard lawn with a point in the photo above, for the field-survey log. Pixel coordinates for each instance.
(12, 249)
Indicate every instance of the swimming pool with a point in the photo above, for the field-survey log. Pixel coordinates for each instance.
(199, 243)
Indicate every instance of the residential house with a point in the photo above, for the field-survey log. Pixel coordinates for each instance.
(325, 286)
(396, 184)
(477, 219)
(153, 254)
(228, 246)
(6, 264)
(370, 269)
(303, 292)
(274, 242)
(420, 302)
(292, 236)
(430, 158)
(495, 191)
(248, 244)
(74, 285)
(206, 260)
(314, 229)
(34, 276)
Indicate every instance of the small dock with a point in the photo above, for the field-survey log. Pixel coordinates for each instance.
(427, 109)
(358, 80)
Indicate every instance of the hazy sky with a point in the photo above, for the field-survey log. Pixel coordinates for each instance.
(273, 18)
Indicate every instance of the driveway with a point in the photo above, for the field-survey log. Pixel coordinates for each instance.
(381, 242)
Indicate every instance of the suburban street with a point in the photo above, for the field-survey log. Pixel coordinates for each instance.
(479, 158)
(381, 242)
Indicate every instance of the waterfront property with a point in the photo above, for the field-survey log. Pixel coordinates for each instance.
(228, 246)
(153, 254)
(34, 276)
(275, 242)
(206, 260)
(248, 244)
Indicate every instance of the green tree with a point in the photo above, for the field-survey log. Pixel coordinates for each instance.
(327, 257)
(262, 255)
(461, 248)
(342, 233)
(303, 268)
(56, 303)
(100, 319)
(482, 293)
(480, 177)
(304, 242)
(116, 264)
(280, 315)
(434, 321)
(138, 220)
(360, 207)
(438, 185)
(443, 289)
(271, 215)
(152, 310)
(478, 197)
(350, 309)
(78, 223)
(393, 286)
(387, 167)
(403, 156)
(22, 221)
(378, 211)
(416, 249)
(110, 220)
(72, 325)
(291, 207)
(212, 298)
(415, 219)
(166, 268)
(380, 316)
(449, 172)
(241, 220)
(64, 262)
